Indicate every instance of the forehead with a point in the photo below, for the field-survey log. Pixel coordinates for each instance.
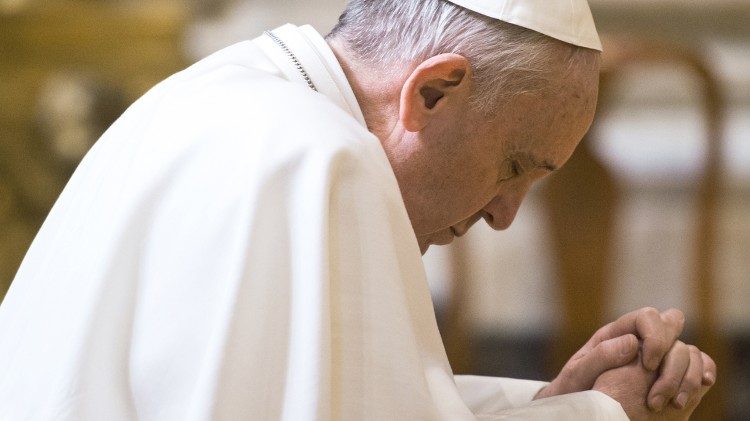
(553, 120)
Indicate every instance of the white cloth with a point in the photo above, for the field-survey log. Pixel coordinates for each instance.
(567, 20)
(236, 247)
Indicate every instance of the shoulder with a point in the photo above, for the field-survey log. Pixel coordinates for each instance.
(227, 97)
(226, 93)
(242, 121)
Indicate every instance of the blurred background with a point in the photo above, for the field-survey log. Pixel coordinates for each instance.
(653, 210)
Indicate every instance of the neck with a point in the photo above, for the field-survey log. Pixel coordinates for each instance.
(377, 98)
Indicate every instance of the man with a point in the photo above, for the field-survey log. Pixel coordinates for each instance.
(244, 242)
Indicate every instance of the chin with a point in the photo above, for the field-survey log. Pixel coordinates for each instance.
(440, 238)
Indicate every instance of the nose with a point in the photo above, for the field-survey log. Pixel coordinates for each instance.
(501, 211)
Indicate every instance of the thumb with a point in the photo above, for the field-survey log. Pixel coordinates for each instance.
(580, 374)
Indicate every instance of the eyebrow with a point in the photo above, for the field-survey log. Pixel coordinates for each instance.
(544, 164)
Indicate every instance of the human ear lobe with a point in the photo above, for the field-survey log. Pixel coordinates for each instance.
(434, 85)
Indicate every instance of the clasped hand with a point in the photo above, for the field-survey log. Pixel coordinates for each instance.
(638, 361)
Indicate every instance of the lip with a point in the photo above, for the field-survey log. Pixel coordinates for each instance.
(460, 229)
(443, 240)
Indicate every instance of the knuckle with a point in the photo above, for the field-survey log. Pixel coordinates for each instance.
(649, 311)
(674, 320)
(680, 315)
(691, 385)
(677, 314)
(679, 353)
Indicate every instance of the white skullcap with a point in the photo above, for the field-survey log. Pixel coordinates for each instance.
(567, 20)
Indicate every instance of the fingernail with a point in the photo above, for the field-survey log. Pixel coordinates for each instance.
(681, 400)
(708, 378)
(658, 403)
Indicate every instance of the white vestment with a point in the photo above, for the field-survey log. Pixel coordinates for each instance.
(236, 247)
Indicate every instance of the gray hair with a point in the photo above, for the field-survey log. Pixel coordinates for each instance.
(507, 60)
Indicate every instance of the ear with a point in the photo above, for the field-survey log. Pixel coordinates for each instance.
(436, 86)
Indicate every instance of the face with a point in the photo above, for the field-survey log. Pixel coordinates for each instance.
(482, 168)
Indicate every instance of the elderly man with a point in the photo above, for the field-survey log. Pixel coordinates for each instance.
(244, 243)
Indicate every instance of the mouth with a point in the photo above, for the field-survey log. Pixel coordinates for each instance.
(443, 237)
(472, 221)
(447, 235)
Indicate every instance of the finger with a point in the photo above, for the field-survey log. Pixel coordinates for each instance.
(622, 326)
(692, 382)
(582, 373)
(709, 370)
(645, 322)
(658, 333)
(676, 364)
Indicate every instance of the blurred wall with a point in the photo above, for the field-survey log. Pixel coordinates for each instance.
(67, 70)
(247, 19)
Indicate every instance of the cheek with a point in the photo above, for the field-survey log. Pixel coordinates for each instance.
(477, 193)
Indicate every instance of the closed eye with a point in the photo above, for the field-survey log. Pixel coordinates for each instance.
(512, 169)
(516, 168)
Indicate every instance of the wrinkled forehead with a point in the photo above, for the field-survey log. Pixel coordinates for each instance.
(553, 121)
(572, 81)
(577, 87)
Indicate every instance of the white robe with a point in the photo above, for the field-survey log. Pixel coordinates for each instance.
(236, 247)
